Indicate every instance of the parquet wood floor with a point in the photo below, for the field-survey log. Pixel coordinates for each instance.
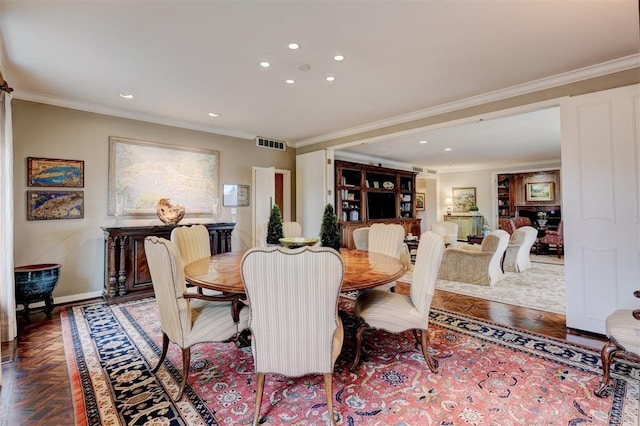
(36, 389)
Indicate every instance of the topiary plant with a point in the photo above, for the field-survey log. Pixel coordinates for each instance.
(274, 228)
(329, 232)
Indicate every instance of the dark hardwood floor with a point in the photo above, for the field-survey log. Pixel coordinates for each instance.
(36, 389)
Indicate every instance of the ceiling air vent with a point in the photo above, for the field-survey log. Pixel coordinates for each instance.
(271, 143)
(418, 169)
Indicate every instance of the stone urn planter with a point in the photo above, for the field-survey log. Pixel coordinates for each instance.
(35, 283)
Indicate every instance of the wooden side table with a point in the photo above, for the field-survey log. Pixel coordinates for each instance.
(475, 239)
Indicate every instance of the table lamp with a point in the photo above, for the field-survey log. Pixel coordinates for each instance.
(448, 206)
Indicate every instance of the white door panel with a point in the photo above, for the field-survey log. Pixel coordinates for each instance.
(601, 204)
(263, 196)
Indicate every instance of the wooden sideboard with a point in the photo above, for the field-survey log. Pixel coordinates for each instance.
(467, 224)
(126, 275)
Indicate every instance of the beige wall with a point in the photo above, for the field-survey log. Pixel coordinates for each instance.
(52, 132)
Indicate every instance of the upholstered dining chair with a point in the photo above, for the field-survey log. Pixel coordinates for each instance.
(554, 238)
(449, 230)
(361, 238)
(396, 313)
(516, 258)
(476, 264)
(520, 221)
(389, 239)
(291, 229)
(186, 319)
(294, 322)
(193, 243)
(623, 332)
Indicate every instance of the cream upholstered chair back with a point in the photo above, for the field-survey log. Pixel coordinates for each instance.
(291, 229)
(293, 296)
(425, 271)
(386, 239)
(495, 242)
(361, 238)
(516, 258)
(192, 242)
(449, 230)
(520, 221)
(186, 318)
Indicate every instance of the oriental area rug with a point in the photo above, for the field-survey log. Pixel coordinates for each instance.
(488, 375)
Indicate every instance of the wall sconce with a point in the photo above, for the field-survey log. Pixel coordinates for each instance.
(448, 206)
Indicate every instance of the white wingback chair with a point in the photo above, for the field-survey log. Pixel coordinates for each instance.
(476, 264)
(396, 313)
(186, 319)
(193, 243)
(516, 258)
(389, 239)
(449, 230)
(294, 323)
(291, 229)
(361, 238)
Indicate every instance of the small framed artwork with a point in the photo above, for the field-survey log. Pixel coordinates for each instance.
(55, 172)
(235, 195)
(47, 205)
(540, 191)
(420, 200)
(463, 198)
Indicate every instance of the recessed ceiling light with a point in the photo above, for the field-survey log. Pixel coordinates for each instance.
(423, 141)
(338, 58)
(126, 95)
(290, 81)
(265, 64)
(293, 46)
(214, 114)
(448, 149)
(331, 78)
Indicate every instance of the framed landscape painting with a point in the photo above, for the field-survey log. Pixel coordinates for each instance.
(55, 172)
(463, 198)
(420, 200)
(540, 191)
(141, 173)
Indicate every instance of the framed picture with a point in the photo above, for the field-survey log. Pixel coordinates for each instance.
(46, 205)
(55, 172)
(141, 173)
(235, 195)
(463, 198)
(420, 201)
(540, 191)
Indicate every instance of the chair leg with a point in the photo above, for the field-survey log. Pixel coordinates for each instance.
(607, 352)
(165, 346)
(186, 361)
(433, 364)
(328, 389)
(361, 329)
(259, 390)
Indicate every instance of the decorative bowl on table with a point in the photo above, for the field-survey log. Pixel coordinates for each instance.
(298, 242)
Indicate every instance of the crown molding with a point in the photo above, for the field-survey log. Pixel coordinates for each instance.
(598, 70)
(115, 112)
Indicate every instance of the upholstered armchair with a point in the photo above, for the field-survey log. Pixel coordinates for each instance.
(193, 243)
(554, 238)
(520, 221)
(361, 238)
(448, 230)
(476, 264)
(506, 224)
(623, 332)
(186, 319)
(294, 323)
(291, 229)
(389, 239)
(396, 313)
(516, 258)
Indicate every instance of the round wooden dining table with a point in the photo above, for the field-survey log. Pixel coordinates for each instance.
(362, 270)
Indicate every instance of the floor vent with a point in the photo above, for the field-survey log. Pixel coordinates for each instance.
(271, 143)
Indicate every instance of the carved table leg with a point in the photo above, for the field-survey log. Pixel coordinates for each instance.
(122, 267)
(607, 352)
(112, 289)
(48, 305)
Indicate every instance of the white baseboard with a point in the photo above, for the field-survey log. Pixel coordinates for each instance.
(65, 299)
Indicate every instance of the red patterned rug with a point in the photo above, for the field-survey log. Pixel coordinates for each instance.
(489, 375)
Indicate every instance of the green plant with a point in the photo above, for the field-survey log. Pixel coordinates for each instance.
(542, 215)
(329, 233)
(473, 208)
(274, 228)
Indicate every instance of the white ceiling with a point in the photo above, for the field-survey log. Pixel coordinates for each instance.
(184, 59)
